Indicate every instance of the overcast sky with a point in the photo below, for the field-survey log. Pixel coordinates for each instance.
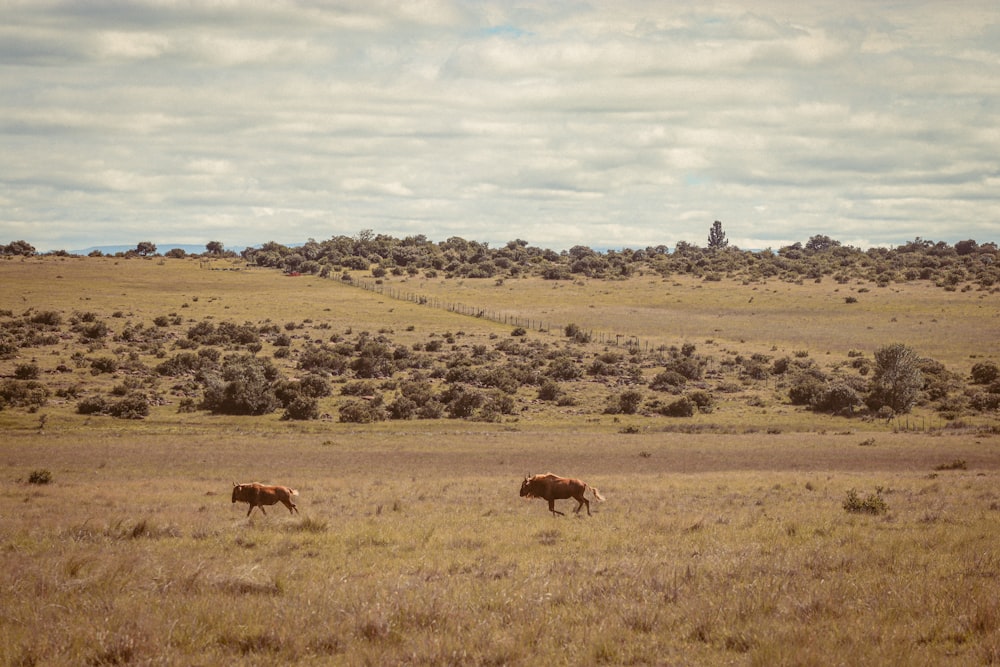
(608, 124)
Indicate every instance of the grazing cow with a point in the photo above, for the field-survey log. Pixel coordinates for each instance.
(259, 495)
(552, 488)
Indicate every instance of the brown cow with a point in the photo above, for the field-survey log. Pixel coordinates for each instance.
(259, 495)
(552, 488)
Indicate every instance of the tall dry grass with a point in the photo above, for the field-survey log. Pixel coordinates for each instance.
(408, 553)
(724, 539)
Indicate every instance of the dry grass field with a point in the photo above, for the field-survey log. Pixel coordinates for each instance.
(725, 541)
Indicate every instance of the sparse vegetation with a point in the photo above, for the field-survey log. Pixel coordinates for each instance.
(720, 541)
(40, 476)
(872, 504)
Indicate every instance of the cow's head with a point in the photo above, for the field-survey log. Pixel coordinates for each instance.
(526, 486)
(237, 489)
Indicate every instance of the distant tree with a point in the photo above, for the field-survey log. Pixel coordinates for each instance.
(214, 247)
(176, 253)
(966, 247)
(145, 248)
(897, 380)
(985, 372)
(18, 248)
(819, 243)
(717, 237)
(244, 387)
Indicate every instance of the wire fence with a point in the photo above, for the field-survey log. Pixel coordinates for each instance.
(499, 316)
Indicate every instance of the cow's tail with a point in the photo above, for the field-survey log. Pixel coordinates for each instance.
(597, 494)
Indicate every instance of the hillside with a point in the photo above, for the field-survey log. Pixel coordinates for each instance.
(166, 339)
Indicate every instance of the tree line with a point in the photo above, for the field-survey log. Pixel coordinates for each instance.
(965, 265)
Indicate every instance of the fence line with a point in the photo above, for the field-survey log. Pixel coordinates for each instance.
(529, 323)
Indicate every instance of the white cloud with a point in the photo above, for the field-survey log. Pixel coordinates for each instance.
(561, 123)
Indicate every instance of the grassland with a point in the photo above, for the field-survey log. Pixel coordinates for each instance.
(719, 543)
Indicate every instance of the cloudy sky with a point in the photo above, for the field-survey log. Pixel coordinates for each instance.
(608, 124)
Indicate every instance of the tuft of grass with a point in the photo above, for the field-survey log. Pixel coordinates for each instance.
(40, 477)
(957, 464)
(309, 524)
(872, 504)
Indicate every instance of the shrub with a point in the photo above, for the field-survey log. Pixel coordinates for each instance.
(667, 381)
(49, 318)
(703, 400)
(549, 391)
(837, 398)
(363, 412)
(957, 464)
(183, 362)
(985, 372)
(133, 406)
(627, 402)
(92, 405)
(461, 402)
(41, 476)
(302, 407)
(577, 334)
(873, 504)
(682, 407)
(94, 330)
(29, 394)
(28, 371)
(563, 368)
(690, 367)
(315, 386)
(359, 388)
(100, 365)
(244, 387)
(805, 389)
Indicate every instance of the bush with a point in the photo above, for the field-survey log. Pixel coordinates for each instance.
(243, 388)
(92, 405)
(461, 402)
(873, 504)
(577, 334)
(549, 391)
(703, 400)
(315, 386)
(563, 368)
(40, 477)
(682, 407)
(667, 381)
(302, 407)
(363, 412)
(29, 394)
(103, 365)
(838, 399)
(805, 389)
(48, 318)
(985, 372)
(626, 403)
(26, 371)
(133, 406)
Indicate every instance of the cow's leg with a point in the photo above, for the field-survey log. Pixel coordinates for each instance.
(290, 505)
(580, 502)
(552, 507)
(250, 510)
